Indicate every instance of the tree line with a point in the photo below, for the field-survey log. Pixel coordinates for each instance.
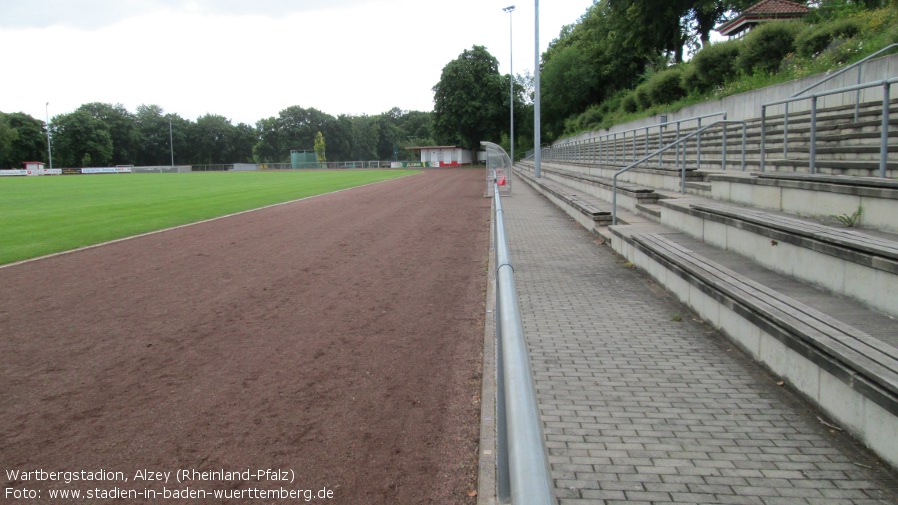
(102, 134)
(630, 54)
(620, 54)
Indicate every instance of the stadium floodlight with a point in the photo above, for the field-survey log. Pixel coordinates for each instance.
(49, 141)
(171, 144)
(509, 10)
(537, 149)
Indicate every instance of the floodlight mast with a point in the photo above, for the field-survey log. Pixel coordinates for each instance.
(509, 10)
(537, 150)
(49, 140)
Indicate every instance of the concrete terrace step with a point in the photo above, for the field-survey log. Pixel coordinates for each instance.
(587, 206)
(848, 372)
(581, 179)
(859, 264)
(861, 182)
(870, 246)
(818, 196)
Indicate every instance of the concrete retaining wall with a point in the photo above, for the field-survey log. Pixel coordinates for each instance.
(748, 105)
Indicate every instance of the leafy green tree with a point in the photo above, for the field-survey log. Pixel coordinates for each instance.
(8, 135)
(213, 139)
(244, 141)
(269, 148)
(468, 100)
(365, 136)
(77, 137)
(320, 148)
(28, 140)
(589, 62)
(153, 128)
(122, 128)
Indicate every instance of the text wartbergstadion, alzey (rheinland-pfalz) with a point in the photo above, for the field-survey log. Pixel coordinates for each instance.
(152, 484)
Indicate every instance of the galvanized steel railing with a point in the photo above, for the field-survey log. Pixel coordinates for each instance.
(884, 134)
(857, 99)
(523, 476)
(621, 147)
(681, 164)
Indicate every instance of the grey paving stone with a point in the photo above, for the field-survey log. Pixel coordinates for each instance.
(640, 408)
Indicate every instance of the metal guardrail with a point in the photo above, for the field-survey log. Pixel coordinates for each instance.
(884, 133)
(681, 165)
(857, 98)
(522, 474)
(859, 65)
(606, 148)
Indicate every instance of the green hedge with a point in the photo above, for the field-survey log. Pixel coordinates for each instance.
(766, 46)
(666, 86)
(713, 66)
(815, 40)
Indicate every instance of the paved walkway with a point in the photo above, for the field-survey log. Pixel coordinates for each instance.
(643, 404)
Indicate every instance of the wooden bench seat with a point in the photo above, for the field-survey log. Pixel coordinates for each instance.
(845, 238)
(863, 362)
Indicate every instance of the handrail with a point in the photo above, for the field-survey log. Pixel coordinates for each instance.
(884, 133)
(523, 471)
(683, 165)
(663, 123)
(846, 69)
(602, 140)
(857, 98)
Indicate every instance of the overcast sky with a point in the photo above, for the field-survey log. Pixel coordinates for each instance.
(249, 59)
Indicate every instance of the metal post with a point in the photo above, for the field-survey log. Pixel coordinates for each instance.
(884, 134)
(698, 145)
(614, 199)
(786, 131)
(614, 146)
(723, 152)
(49, 140)
(813, 161)
(623, 148)
(509, 10)
(646, 151)
(744, 143)
(857, 96)
(537, 169)
(171, 145)
(678, 159)
(763, 134)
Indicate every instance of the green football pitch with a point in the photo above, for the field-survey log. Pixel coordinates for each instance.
(44, 215)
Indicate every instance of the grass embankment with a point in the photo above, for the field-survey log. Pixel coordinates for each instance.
(44, 215)
(773, 53)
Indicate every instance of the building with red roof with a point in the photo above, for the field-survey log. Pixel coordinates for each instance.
(765, 10)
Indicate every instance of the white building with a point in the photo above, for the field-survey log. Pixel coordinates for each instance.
(443, 156)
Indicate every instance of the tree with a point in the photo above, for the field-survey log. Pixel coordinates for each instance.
(80, 137)
(589, 62)
(213, 139)
(320, 148)
(153, 128)
(122, 129)
(8, 135)
(468, 100)
(27, 137)
(268, 148)
(244, 141)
